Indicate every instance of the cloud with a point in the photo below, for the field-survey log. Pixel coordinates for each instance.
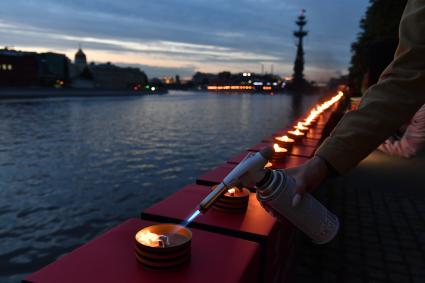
(235, 34)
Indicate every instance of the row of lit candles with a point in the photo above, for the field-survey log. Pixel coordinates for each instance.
(145, 237)
(301, 128)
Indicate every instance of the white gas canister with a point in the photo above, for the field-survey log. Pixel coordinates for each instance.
(310, 216)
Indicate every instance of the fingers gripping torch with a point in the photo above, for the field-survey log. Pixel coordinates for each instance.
(250, 170)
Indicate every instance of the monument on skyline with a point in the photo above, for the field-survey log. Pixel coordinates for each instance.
(298, 76)
(299, 83)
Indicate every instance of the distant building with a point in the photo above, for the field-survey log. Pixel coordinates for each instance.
(109, 76)
(18, 68)
(80, 59)
(203, 79)
(53, 69)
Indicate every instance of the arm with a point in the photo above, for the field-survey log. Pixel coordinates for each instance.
(385, 107)
(388, 104)
(412, 141)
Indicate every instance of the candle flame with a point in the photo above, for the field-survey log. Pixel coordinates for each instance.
(296, 132)
(284, 139)
(322, 107)
(268, 165)
(277, 148)
(231, 191)
(148, 238)
(300, 126)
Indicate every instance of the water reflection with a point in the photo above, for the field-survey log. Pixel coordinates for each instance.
(297, 103)
(73, 168)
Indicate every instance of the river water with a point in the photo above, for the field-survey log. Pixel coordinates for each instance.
(72, 168)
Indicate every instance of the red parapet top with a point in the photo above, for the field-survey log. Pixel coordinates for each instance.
(302, 151)
(110, 259)
(254, 224)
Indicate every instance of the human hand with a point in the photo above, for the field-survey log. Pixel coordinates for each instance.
(308, 176)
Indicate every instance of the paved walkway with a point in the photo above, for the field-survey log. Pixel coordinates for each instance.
(381, 205)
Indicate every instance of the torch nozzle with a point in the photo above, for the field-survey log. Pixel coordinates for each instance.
(250, 170)
(212, 197)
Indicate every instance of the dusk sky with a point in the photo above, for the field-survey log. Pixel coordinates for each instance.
(169, 37)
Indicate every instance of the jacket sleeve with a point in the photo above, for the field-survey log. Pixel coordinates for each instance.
(399, 93)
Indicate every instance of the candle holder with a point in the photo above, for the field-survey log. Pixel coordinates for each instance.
(297, 135)
(284, 141)
(301, 127)
(233, 201)
(278, 152)
(163, 246)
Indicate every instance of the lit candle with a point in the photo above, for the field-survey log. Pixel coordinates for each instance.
(268, 165)
(148, 238)
(319, 109)
(163, 246)
(278, 149)
(296, 135)
(279, 152)
(300, 127)
(285, 139)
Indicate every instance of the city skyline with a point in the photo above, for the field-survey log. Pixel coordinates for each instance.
(208, 37)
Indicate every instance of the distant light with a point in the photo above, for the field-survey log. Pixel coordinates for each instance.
(153, 88)
(9, 67)
(248, 74)
(245, 74)
(148, 87)
(274, 83)
(258, 83)
(249, 81)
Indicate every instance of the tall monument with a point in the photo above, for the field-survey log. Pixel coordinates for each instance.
(298, 76)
